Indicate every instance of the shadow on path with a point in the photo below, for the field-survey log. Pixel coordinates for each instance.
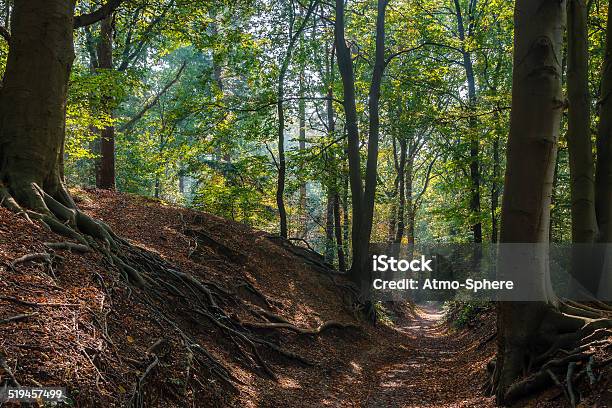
(433, 368)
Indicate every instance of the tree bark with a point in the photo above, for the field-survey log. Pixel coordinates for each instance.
(302, 148)
(33, 101)
(495, 186)
(345, 66)
(280, 94)
(603, 175)
(105, 174)
(584, 224)
(329, 226)
(362, 196)
(282, 161)
(338, 233)
(392, 223)
(401, 207)
(532, 148)
(410, 205)
(472, 123)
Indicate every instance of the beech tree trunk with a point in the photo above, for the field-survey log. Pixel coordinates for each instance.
(495, 187)
(472, 124)
(532, 148)
(105, 174)
(363, 194)
(33, 101)
(302, 147)
(329, 226)
(582, 171)
(401, 208)
(603, 176)
(584, 224)
(410, 205)
(280, 109)
(338, 233)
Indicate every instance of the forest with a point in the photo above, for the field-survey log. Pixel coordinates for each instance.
(191, 193)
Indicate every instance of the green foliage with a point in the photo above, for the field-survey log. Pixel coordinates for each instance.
(465, 314)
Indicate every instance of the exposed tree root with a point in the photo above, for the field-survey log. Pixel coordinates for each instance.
(8, 371)
(153, 282)
(288, 326)
(569, 342)
(70, 246)
(310, 257)
(36, 304)
(17, 318)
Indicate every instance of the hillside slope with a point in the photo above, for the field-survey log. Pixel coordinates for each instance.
(69, 318)
(78, 324)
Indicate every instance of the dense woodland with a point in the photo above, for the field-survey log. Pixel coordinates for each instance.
(330, 124)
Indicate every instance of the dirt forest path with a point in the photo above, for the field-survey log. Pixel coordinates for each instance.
(436, 368)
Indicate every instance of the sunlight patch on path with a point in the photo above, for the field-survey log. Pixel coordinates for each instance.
(433, 372)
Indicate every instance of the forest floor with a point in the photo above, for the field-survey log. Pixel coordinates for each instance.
(74, 322)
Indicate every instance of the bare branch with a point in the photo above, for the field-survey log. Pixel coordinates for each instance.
(129, 124)
(100, 14)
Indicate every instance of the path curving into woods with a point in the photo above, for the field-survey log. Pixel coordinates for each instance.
(437, 369)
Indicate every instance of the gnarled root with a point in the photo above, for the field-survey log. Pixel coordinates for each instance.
(550, 351)
(155, 282)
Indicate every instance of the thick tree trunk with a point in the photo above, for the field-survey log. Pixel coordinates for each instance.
(33, 101)
(603, 176)
(532, 148)
(105, 174)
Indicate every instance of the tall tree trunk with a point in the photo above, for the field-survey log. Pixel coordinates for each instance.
(401, 208)
(345, 217)
(280, 94)
(302, 148)
(105, 177)
(410, 207)
(582, 172)
(33, 102)
(329, 226)
(282, 161)
(532, 148)
(392, 223)
(472, 122)
(494, 184)
(338, 233)
(603, 176)
(584, 224)
(345, 66)
(362, 196)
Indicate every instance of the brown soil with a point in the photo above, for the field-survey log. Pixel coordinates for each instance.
(86, 330)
